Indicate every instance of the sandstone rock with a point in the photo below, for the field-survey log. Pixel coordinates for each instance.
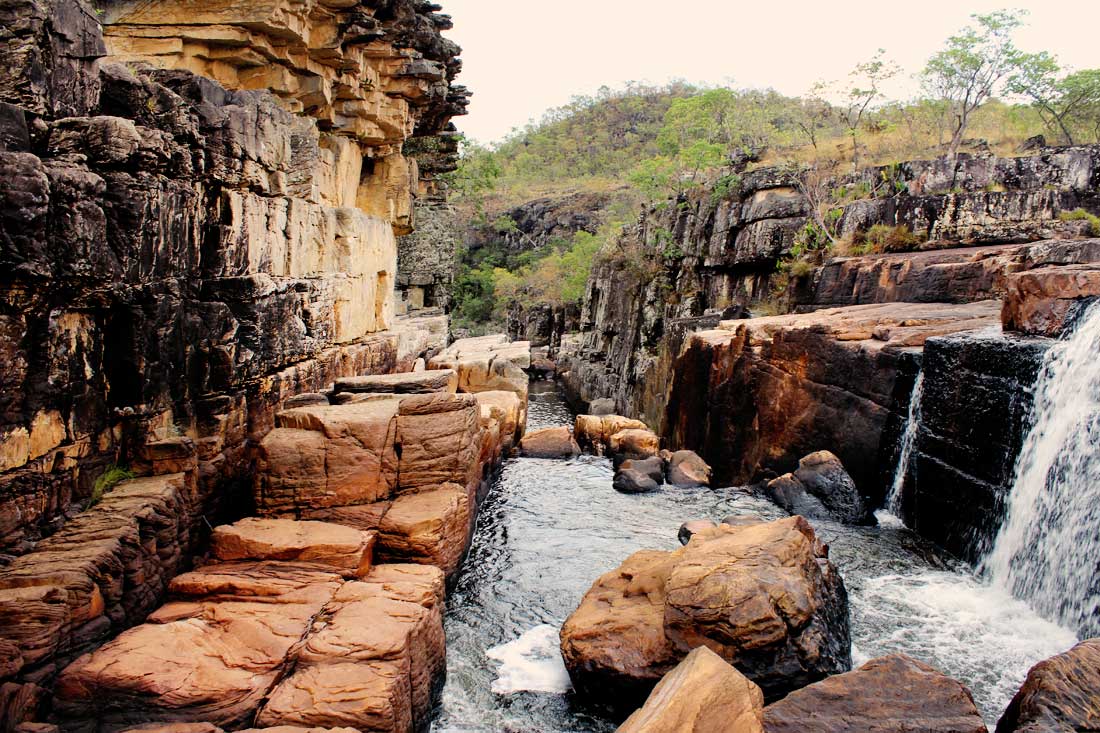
(549, 443)
(430, 527)
(702, 693)
(634, 443)
(324, 456)
(439, 439)
(439, 380)
(764, 597)
(1060, 694)
(1043, 301)
(593, 432)
(638, 475)
(687, 469)
(690, 528)
(893, 693)
(506, 408)
(342, 549)
(487, 363)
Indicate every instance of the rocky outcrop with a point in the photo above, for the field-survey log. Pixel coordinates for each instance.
(1061, 694)
(182, 253)
(893, 694)
(763, 596)
(1045, 301)
(702, 693)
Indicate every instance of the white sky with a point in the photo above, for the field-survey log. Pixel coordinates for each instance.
(523, 57)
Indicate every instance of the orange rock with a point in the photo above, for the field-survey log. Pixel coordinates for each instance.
(595, 431)
(634, 443)
(430, 527)
(702, 694)
(549, 443)
(1040, 301)
(1060, 694)
(439, 438)
(508, 410)
(343, 549)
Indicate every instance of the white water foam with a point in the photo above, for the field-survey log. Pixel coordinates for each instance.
(958, 624)
(1047, 551)
(531, 663)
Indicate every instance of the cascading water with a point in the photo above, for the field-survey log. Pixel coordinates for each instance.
(1047, 551)
(892, 506)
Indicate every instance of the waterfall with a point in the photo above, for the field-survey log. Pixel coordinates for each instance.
(1047, 551)
(908, 442)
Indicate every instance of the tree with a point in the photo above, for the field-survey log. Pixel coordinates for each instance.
(863, 90)
(972, 65)
(1060, 102)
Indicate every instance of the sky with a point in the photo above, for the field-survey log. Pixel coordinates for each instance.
(522, 57)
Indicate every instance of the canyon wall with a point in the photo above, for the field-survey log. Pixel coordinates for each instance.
(182, 249)
(665, 334)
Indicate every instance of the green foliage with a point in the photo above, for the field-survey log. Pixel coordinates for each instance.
(724, 186)
(885, 238)
(1082, 215)
(1069, 105)
(109, 479)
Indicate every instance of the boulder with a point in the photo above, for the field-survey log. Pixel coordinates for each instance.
(687, 469)
(821, 489)
(335, 547)
(549, 443)
(1060, 694)
(690, 528)
(634, 443)
(765, 597)
(593, 432)
(639, 475)
(425, 382)
(702, 694)
(505, 408)
(893, 694)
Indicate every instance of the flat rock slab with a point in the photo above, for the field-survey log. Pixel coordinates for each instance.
(703, 693)
(431, 527)
(340, 548)
(1042, 302)
(893, 694)
(436, 380)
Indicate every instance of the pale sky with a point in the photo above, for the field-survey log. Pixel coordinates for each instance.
(523, 57)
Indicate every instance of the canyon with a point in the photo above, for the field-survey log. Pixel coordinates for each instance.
(251, 480)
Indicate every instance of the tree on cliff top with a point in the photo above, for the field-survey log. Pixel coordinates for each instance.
(1063, 103)
(972, 66)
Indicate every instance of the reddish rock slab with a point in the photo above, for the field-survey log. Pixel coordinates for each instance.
(436, 380)
(440, 440)
(1041, 302)
(893, 694)
(1060, 694)
(343, 549)
(430, 527)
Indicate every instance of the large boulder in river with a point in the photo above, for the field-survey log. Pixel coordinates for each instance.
(703, 694)
(1060, 695)
(549, 443)
(687, 469)
(633, 443)
(593, 432)
(763, 596)
(640, 475)
(893, 694)
(820, 489)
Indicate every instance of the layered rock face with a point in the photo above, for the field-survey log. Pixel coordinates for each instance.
(180, 254)
(763, 596)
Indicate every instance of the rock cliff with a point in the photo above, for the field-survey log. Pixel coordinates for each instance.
(202, 222)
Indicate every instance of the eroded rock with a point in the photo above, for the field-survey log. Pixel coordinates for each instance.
(1060, 694)
(343, 549)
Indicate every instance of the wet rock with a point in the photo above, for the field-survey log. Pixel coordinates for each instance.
(342, 549)
(724, 590)
(702, 693)
(821, 489)
(425, 382)
(549, 443)
(687, 469)
(1060, 694)
(633, 443)
(893, 694)
(641, 475)
(690, 528)
(593, 432)
(1043, 302)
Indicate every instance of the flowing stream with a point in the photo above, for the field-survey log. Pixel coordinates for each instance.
(891, 512)
(549, 528)
(1048, 548)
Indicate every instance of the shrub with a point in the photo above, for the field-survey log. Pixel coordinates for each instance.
(1082, 215)
(109, 479)
(885, 238)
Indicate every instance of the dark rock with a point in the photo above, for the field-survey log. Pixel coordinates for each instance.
(824, 477)
(790, 493)
(893, 694)
(305, 400)
(634, 480)
(1060, 694)
(687, 469)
